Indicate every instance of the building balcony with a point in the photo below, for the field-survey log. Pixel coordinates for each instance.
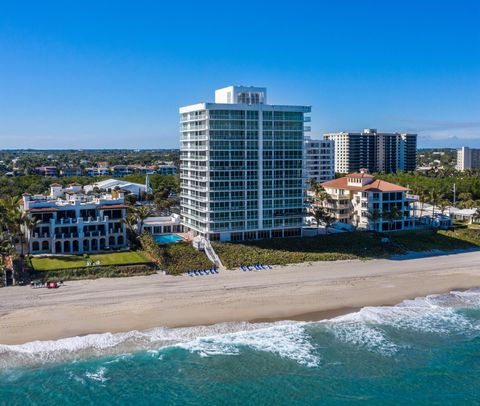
(193, 128)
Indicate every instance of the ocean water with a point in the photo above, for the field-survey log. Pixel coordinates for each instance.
(422, 351)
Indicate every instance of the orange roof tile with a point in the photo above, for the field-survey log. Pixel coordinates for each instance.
(340, 183)
(376, 185)
(359, 175)
(384, 186)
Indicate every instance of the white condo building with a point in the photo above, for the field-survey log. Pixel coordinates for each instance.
(468, 158)
(241, 171)
(319, 160)
(373, 150)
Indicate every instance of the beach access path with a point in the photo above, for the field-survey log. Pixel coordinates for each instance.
(308, 291)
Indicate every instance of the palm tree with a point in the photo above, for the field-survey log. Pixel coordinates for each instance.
(475, 216)
(422, 198)
(29, 224)
(141, 214)
(443, 205)
(391, 216)
(323, 217)
(374, 215)
(318, 213)
(328, 220)
(434, 198)
(7, 250)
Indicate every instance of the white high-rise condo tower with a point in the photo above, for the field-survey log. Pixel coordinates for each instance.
(319, 160)
(375, 151)
(468, 158)
(241, 171)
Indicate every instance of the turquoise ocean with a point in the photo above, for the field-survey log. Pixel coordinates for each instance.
(422, 351)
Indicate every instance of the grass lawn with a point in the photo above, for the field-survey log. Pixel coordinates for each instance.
(357, 245)
(49, 263)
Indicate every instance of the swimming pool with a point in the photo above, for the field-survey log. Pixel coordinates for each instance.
(167, 238)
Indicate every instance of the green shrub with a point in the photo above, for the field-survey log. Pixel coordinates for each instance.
(174, 258)
(182, 257)
(357, 245)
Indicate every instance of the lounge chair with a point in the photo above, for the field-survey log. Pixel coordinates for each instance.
(269, 266)
(248, 268)
(195, 272)
(215, 270)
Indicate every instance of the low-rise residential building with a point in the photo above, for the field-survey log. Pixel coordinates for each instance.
(109, 185)
(96, 171)
(319, 160)
(70, 222)
(121, 170)
(51, 171)
(71, 172)
(167, 170)
(158, 225)
(368, 203)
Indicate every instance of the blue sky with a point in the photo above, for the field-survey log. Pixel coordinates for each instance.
(92, 74)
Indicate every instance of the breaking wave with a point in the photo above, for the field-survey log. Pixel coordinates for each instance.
(368, 329)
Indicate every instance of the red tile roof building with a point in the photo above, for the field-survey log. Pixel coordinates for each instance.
(359, 198)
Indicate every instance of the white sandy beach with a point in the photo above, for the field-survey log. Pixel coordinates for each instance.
(303, 291)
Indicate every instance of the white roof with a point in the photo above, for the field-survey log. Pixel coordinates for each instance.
(108, 183)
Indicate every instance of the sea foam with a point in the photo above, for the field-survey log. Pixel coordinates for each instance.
(365, 329)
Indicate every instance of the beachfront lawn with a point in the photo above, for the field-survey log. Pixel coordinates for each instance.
(356, 245)
(50, 263)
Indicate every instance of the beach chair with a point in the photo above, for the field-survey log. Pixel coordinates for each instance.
(195, 272)
(248, 268)
(215, 270)
(269, 267)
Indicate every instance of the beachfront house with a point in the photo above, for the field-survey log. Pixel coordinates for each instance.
(368, 203)
(68, 221)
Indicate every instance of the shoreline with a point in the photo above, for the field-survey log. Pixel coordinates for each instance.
(303, 292)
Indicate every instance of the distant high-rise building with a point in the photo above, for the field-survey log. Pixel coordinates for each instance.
(241, 166)
(468, 158)
(375, 151)
(319, 160)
